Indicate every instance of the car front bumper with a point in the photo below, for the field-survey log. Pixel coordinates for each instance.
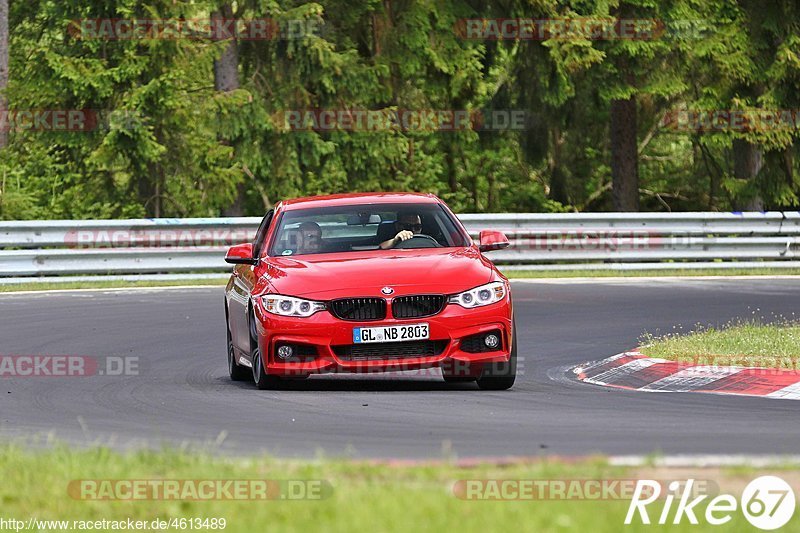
(324, 333)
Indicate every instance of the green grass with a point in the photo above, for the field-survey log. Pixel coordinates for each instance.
(364, 497)
(740, 343)
(512, 274)
(111, 284)
(683, 272)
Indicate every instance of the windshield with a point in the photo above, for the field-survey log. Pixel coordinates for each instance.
(366, 227)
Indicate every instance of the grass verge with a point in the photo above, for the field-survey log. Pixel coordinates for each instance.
(739, 343)
(111, 284)
(511, 274)
(683, 272)
(363, 496)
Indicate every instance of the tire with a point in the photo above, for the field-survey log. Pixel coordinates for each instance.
(451, 374)
(262, 380)
(236, 372)
(501, 376)
(458, 379)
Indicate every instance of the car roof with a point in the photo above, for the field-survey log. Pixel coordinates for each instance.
(333, 200)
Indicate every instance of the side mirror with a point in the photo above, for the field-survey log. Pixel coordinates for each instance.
(492, 240)
(241, 254)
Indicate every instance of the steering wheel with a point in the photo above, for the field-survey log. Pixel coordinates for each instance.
(422, 241)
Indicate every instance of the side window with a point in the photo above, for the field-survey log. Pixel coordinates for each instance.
(261, 234)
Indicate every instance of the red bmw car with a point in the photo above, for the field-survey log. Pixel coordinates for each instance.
(368, 283)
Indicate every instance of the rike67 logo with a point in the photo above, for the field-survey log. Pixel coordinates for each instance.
(767, 502)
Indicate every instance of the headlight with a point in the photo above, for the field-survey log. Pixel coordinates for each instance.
(480, 296)
(290, 306)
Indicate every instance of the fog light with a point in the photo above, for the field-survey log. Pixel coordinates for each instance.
(285, 351)
(491, 340)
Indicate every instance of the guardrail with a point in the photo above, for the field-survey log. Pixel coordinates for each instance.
(616, 241)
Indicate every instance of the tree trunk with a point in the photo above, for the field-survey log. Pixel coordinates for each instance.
(558, 179)
(226, 79)
(624, 155)
(476, 209)
(226, 68)
(3, 68)
(449, 157)
(787, 164)
(148, 191)
(747, 162)
(381, 24)
(491, 199)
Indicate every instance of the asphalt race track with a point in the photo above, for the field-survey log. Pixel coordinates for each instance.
(183, 395)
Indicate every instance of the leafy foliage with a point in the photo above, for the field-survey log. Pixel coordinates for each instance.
(169, 144)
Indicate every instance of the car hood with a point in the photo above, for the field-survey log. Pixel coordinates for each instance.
(327, 276)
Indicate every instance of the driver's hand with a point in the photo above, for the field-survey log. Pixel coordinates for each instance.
(403, 236)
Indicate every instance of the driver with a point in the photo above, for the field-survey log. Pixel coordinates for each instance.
(310, 241)
(406, 226)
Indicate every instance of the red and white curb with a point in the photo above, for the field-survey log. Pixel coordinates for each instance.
(633, 371)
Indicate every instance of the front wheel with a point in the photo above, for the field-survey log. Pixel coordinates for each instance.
(458, 372)
(501, 376)
(262, 380)
(457, 379)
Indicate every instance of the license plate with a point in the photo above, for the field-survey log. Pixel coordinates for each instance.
(410, 332)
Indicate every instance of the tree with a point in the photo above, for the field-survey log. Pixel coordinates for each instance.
(3, 69)
(226, 80)
(198, 127)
